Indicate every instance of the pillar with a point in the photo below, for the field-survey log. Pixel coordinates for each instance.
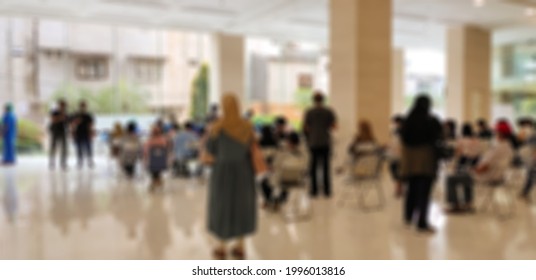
(399, 82)
(360, 37)
(228, 71)
(468, 74)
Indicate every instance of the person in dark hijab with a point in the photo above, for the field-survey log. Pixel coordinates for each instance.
(420, 135)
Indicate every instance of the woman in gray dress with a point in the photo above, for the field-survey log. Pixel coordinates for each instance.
(232, 199)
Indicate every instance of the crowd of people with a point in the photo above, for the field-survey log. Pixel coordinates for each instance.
(276, 156)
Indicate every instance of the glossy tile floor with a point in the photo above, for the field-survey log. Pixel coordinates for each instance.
(94, 214)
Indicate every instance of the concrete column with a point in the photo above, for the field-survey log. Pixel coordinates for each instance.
(361, 75)
(399, 82)
(228, 70)
(468, 73)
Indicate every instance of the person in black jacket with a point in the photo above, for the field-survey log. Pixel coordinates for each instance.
(421, 135)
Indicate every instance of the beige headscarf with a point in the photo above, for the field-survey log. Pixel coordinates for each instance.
(232, 122)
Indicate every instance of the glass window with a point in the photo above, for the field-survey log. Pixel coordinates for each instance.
(92, 68)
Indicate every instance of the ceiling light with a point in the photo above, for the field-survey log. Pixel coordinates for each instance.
(479, 3)
(530, 12)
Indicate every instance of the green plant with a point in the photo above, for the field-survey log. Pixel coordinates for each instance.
(200, 94)
(120, 98)
(28, 137)
(261, 120)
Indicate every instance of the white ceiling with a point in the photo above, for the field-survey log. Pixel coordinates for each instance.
(418, 23)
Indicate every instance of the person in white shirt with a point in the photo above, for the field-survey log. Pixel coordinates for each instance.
(496, 161)
(467, 148)
(490, 169)
(290, 164)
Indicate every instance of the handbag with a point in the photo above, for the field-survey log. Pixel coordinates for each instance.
(257, 158)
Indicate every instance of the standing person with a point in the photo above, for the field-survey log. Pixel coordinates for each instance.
(420, 136)
(232, 209)
(318, 123)
(59, 121)
(9, 135)
(83, 132)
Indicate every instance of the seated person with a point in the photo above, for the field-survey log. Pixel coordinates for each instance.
(287, 169)
(531, 172)
(364, 141)
(281, 128)
(467, 148)
(130, 151)
(490, 170)
(185, 146)
(268, 142)
(156, 156)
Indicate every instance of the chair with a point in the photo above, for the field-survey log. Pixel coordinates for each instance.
(365, 176)
(491, 201)
(293, 179)
(298, 207)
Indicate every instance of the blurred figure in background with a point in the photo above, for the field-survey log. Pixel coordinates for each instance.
(496, 161)
(115, 139)
(269, 145)
(484, 132)
(156, 156)
(288, 168)
(281, 128)
(419, 162)
(213, 114)
(130, 150)
(364, 141)
(185, 147)
(467, 152)
(394, 150)
(83, 125)
(530, 161)
(59, 122)
(526, 130)
(449, 132)
(249, 115)
(9, 135)
(232, 209)
(318, 123)
(467, 148)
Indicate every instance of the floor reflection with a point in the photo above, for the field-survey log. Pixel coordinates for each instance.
(61, 210)
(157, 229)
(11, 194)
(84, 214)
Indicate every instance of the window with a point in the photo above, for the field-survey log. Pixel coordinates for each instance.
(305, 80)
(92, 68)
(147, 70)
